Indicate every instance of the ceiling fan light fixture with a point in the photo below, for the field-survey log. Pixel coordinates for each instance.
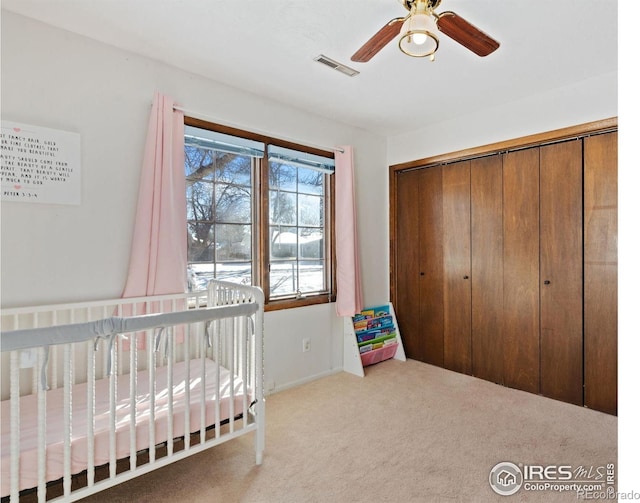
(417, 36)
(419, 31)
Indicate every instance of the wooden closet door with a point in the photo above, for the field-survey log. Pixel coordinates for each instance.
(408, 261)
(601, 272)
(431, 274)
(561, 271)
(456, 241)
(486, 268)
(521, 222)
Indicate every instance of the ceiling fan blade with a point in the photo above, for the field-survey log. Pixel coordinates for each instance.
(463, 32)
(387, 33)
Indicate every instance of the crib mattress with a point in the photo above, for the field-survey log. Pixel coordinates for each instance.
(230, 393)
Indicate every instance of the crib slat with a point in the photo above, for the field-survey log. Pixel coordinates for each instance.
(170, 334)
(35, 371)
(218, 338)
(42, 432)
(68, 411)
(133, 395)
(14, 369)
(187, 387)
(91, 412)
(244, 355)
(203, 386)
(113, 384)
(152, 397)
(53, 358)
(231, 338)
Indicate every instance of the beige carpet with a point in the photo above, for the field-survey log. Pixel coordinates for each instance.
(406, 432)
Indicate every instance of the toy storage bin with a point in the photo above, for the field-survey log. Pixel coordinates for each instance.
(378, 355)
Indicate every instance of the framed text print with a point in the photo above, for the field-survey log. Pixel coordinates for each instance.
(39, 165)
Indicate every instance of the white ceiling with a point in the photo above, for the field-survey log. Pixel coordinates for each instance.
(268, 47)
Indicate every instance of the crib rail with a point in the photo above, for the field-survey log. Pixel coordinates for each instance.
(127, 394)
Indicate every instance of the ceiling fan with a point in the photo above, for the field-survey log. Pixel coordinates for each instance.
(419, 33)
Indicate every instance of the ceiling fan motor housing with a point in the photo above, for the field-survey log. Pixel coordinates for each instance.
(431, 4)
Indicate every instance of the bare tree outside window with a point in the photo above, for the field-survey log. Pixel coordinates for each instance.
(219, 216)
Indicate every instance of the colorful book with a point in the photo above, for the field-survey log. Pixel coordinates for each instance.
(372, 312)
(380, 339)
(365, 348)
(373, 323)
(372, 334)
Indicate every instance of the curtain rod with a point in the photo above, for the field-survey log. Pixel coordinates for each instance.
(198, 115)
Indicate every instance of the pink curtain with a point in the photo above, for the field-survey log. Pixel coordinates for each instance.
(349, 289)
(158, 261)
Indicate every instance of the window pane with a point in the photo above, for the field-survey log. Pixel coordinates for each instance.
(198, 163)
(234, 169)
(311, 243)
(310, 210)
(200, 242)
(283, 242)
(296, 215)
(238, 272)
(282, 176)
(310, 181)
(233, 204)
(282, 207)
(311, 276)
(283, 278)
(199, 200)
(233, 242)
(219, 190)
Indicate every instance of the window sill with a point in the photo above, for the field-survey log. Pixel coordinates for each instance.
(276, 305)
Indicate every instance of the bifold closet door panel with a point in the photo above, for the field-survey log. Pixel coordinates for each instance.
(601, 272)
(561, 344)
(456, 240)
(431, 276)
(487, 268)
(407, 306)
(521, 223)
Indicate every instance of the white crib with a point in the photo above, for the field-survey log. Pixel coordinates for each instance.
(97, 393)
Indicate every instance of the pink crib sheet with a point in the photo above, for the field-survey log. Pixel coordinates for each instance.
(55, 418)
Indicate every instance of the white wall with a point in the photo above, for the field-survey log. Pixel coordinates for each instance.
(586, 101)
(57, 253)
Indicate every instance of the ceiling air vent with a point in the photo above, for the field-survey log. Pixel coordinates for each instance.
(336, 66)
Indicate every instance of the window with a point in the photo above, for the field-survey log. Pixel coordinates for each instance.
(259, 211)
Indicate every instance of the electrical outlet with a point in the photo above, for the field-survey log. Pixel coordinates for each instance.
(306, 345)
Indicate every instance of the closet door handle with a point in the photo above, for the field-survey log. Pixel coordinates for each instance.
(465, 277)
(547, 282)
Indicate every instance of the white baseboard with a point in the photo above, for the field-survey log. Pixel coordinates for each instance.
(306, 380)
